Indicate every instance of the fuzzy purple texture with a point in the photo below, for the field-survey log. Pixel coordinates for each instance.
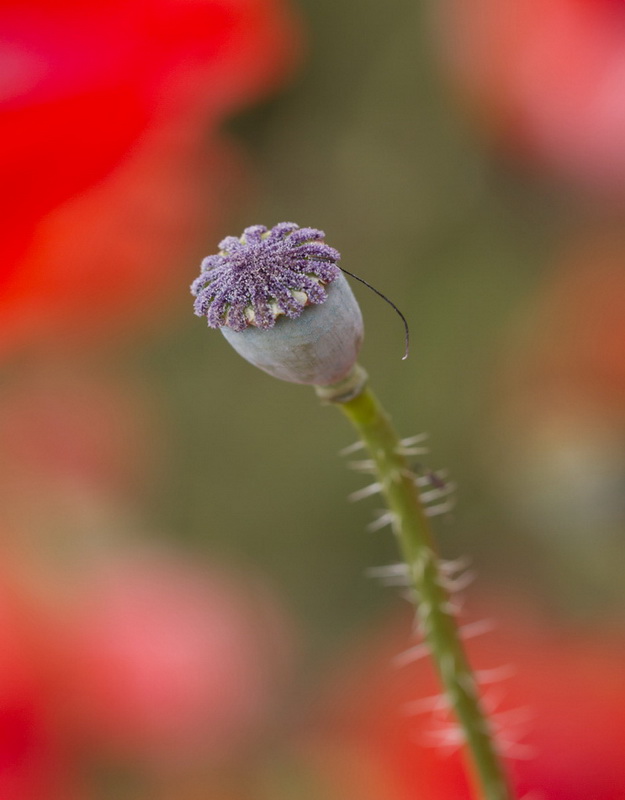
(259, 272)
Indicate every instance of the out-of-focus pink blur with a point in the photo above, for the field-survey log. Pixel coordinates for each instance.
(172, 662)
(134, 656)
(115, 649)
(545, 78)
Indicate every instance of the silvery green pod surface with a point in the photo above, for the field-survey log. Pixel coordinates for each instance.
(283, 303)
(319, 347)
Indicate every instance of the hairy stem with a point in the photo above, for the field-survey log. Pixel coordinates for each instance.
(439, 627)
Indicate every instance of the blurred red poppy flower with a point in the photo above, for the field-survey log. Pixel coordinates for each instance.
(82, 87)
(110, 259)
(557, 699)
(171, 663)
(34, 760)
(545, 77)
(131, 656)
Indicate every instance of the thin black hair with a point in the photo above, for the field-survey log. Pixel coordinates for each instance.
(392, 304)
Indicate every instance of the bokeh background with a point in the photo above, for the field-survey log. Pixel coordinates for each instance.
(184, 612)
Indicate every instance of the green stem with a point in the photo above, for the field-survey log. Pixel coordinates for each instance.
(438, 624)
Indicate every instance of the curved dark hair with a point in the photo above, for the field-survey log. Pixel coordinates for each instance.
(392, 304)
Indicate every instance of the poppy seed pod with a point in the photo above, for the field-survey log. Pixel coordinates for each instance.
(283, 304)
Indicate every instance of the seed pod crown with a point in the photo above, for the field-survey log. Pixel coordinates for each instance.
(264, 274)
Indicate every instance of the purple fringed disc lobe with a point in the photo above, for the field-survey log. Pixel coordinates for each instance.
(264, 274)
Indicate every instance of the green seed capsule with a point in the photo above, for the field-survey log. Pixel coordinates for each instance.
(318, 347)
